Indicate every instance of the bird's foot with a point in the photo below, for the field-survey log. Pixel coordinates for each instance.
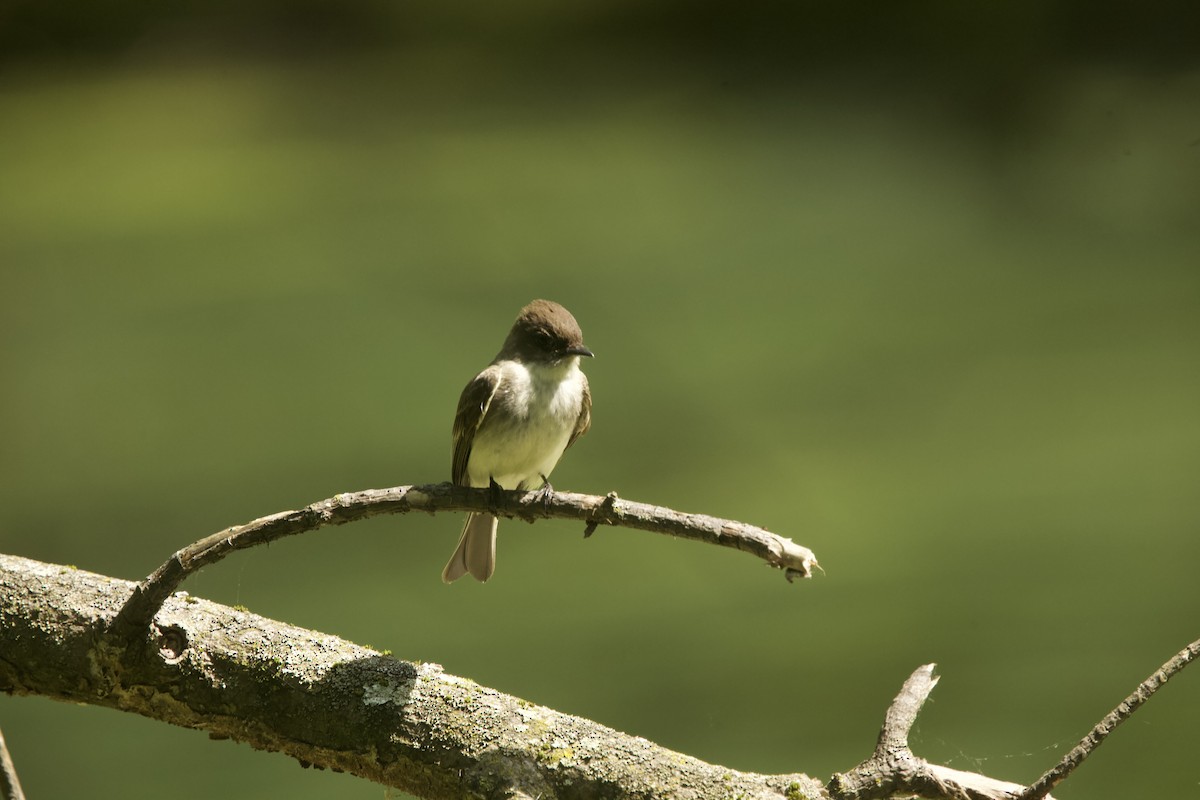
(545, 494)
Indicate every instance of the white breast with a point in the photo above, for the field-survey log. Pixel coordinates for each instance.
(528, 424)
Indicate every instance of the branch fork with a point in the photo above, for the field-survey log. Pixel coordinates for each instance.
(893, 770)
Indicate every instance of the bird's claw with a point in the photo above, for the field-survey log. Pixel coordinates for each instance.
(545, 494)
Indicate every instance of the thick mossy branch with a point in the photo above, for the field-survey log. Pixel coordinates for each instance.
(330, 703)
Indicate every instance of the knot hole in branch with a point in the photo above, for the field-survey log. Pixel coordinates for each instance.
(172, 643)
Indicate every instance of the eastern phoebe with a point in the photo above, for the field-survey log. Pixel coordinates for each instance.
(515, 419)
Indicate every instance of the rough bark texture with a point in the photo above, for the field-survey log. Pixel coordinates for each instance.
(330, 703)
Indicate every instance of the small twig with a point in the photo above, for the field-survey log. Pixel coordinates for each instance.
(137, 614)
(1111, 720)
(10, 786)
(610, 500)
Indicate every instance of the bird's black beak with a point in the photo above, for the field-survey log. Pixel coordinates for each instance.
(579, 350)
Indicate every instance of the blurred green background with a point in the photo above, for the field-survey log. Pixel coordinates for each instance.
(918, 287)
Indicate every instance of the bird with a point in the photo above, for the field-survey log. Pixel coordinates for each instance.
(515, 419)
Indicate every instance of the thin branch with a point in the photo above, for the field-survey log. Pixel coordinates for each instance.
(1104, 727)
(10, 786)
(149, 596)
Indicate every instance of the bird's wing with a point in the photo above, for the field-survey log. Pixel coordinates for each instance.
(585, 414)
(472, 407)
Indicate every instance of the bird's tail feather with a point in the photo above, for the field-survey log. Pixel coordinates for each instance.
(476, 551)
